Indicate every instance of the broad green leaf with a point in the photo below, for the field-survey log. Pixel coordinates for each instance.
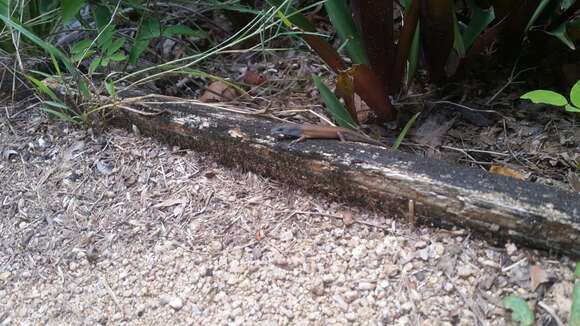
(520, 310)
(479, 21)
(561, 33)
(148, 30)
(405, 130)
(571, 108)
(545, 97)
(184, 31)
(118, 56)
(115, 45)
(105, 39)
(102, 16)
(70, 8)
(341, 18)
(575, 94)
(81, 46)
(82, 55)
(110, 86)
(94, 65)
(336, 109)
(105, 61)
(575, 310)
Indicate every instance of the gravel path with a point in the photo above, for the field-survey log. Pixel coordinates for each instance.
(112, 228)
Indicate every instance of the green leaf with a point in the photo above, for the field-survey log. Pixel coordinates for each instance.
(537, 13)
(81, 46)
(102, 16)
(115, 45)
(413, 61)
(458, 43)
(520, 310)
(571, 108)
(80, 56)
(105, 61)
(341, 18)
(84, 88)
(560, 32)
(105, 38)
(59, 105)
(94, 65)
(575, 94)
(336, 109)
(148, 30)
(110, 86)
(41, 87)
(405, 130)
(70, 8)
(480, 20)
(545, 97)
(60, 115)
(55, 65)
(184, 31)
(118, 56)
(44, 45)
(575, 310)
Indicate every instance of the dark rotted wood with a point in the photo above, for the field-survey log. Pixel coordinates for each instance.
(496, 207)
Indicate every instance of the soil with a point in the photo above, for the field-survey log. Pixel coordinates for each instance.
(113, 228)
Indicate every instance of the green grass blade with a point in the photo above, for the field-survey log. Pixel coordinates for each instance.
(341, 18)
(44, 45)
(413, 61)
(336, 109)
(405, 130)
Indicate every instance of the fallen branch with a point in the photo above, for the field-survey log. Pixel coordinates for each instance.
(444, 194)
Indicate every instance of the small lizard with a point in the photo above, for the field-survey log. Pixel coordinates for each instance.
(303, 132)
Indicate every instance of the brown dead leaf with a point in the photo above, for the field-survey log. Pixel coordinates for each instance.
(253, 78)
(508, 172)
(537, 276)
(218, 91)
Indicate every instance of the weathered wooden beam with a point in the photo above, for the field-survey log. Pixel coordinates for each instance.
(496, 207)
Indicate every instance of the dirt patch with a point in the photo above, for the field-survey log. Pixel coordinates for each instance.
(110, 228)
